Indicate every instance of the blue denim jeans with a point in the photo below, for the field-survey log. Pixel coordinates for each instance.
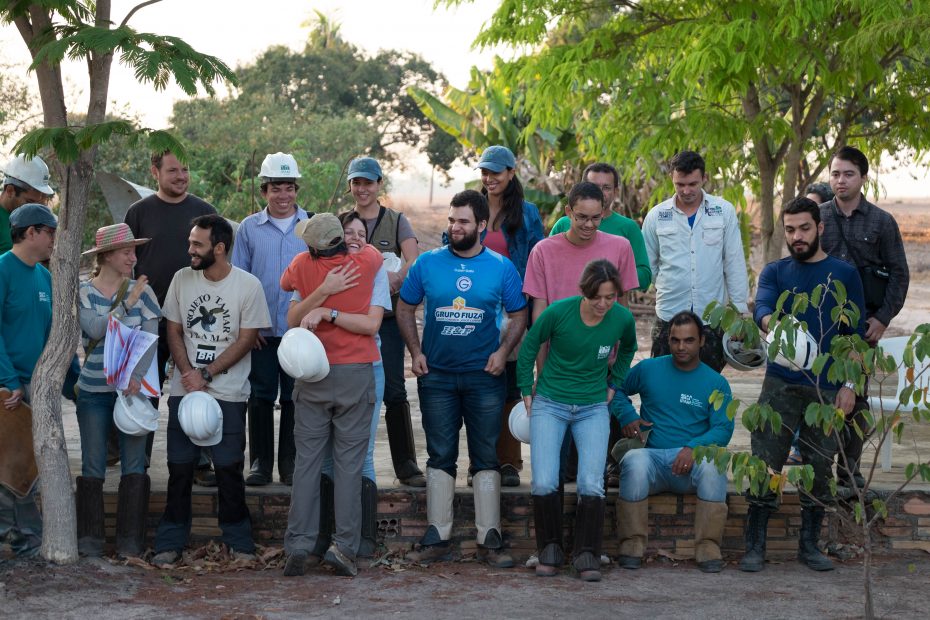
(449, 398)
(590, 428)
(95, 418)
(368, 470)
(648, 471)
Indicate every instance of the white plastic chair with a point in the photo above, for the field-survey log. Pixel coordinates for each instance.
(895, 347)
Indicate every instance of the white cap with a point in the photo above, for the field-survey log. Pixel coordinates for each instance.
(32, 172)
(279, 166)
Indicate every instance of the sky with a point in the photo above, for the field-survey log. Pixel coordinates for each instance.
(234, 31)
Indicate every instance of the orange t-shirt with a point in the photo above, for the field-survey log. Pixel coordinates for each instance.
(306, 273)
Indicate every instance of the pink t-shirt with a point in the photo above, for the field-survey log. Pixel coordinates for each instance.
(555, 265)
(495, 240)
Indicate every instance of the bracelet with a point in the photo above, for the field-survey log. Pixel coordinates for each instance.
(850, 385)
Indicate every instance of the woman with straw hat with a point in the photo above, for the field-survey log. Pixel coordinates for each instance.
(112, 292)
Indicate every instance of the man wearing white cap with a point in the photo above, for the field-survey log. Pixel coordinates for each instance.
(25, 180)
(25, 320)
(214, 312)
(265, 246)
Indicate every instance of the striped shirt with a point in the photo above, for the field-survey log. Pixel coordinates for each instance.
(94, 315)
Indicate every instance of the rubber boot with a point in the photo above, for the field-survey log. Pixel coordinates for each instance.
(589, 534)
(131, 513)
(709, 520)
(487, 483)
(547, 515)
(403, 449)
(368, 544)
(327, 519)
(90, 526)
(757, 522)
(261, 442)
(633, 530)
(808, 552)
(287, 451)
(435, 545)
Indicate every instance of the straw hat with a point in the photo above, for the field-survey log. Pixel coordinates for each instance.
(114, 237)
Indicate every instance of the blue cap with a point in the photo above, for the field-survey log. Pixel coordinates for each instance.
(497, 159)
(32, 214)
(365, 167)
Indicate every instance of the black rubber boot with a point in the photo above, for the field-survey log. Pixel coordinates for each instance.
(403, 449)
(547, 516)
(261, 442)
(131, 514)
(287, 451)
(589, 534)
(90, 527)
(368, 544)
(327, 517)
(757, 522)
(808, 552)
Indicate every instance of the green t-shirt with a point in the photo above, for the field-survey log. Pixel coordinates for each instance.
(616, 224)
(576, 367)
(6, 236)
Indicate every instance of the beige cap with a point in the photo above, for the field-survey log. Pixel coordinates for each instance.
(321, 232)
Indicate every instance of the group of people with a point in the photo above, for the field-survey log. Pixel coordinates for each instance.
(510, 319)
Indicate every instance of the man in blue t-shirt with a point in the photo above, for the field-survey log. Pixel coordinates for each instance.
(25, 321)
(671, 423)
(459, 367)
(791, 385)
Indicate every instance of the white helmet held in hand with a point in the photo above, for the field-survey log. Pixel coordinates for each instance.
(279, 167)
(805, 349)
(302, 356)
(201, 419)
(134, 415)
(519, 422)
(742, 357)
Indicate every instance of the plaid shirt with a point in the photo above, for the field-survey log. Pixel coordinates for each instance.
(876, 242)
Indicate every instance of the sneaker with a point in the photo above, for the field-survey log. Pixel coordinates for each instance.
(166, 558)
(510, 477)
(205, 477)
(496, 558)
(342, 564)
(428, 554)
(296, 564)
(257, 479)
(532, 561)
(417, 480)
(242, 556)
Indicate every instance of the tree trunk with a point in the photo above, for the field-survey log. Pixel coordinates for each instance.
(59, 538)
(772, 240)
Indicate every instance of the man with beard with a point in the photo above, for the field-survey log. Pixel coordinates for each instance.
(789, 389)
(460, 370)
(214, 312)
(165, 218)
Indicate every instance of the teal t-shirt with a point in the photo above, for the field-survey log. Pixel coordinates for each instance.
(677, 402)
(576, 368)
(25, 318)
(616, 224)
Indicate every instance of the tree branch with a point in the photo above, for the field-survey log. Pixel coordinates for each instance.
(135, 9)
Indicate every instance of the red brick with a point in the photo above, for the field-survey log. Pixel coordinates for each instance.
(915, 506)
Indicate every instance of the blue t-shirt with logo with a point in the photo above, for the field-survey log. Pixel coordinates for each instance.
(463, 299)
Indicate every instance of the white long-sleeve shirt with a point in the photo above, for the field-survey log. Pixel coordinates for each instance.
(696, 265)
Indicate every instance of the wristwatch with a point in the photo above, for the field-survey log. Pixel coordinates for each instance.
(850, 385)
(206, 374)
(332, 315)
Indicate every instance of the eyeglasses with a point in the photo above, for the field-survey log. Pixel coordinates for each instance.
(585, 219)
(47, 229)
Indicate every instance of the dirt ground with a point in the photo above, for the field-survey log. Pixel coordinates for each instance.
(101, 590)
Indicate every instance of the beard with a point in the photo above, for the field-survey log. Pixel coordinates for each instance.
(206, 261)
(465, 243)
(805, 254)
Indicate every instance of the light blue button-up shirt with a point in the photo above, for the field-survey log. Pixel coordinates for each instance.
(696, 265)
(262, 249)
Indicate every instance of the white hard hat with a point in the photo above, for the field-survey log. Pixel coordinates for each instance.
(805, 348)
(279, 166)
(519, 422)
(201, 419)
(33, 172)
(135, 415)
(392, 261)
(302, 356)
(741, 356)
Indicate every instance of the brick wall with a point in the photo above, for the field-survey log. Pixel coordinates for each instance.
(402, 521)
